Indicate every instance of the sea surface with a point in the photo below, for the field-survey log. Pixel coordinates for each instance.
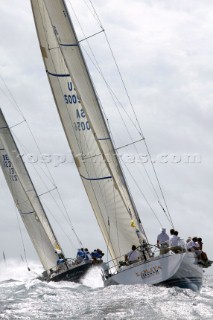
(22, 296)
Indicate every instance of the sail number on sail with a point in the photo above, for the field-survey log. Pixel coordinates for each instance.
(81, 122)
(7, 163)
(81, 125)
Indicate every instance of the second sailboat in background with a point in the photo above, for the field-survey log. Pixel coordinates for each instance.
(33, 215)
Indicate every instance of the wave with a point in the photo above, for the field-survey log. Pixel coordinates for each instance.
(22, 296)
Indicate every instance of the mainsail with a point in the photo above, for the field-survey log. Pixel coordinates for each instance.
(26, 198)
(85, 127)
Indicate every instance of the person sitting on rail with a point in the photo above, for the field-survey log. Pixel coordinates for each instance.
(80, 255)
(60, 264)
(193, 245)
(133, 256)
(202, 257)
(87, 255)
(97, 255)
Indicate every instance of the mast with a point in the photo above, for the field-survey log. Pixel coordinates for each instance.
(26, 198)
(85, 127)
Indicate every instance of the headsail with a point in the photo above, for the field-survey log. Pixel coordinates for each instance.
(26, 198)
(85, 127)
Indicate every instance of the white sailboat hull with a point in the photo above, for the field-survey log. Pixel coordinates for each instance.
(169, 269)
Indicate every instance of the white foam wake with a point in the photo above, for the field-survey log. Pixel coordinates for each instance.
(93, 278)
(17, 270)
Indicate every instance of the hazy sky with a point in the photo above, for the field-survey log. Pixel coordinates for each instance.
(164, 51)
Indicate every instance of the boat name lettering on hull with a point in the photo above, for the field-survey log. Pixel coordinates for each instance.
(146, 273)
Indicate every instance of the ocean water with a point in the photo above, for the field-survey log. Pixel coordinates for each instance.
(22, 296)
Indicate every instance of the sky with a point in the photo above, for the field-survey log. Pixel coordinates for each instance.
(164, 52)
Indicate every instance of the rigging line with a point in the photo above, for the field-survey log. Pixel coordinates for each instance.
(124, 195)
(12, 98)
(71, 225)
(149, 179)
(91, 184)
(96, 65)
(33, 165)
(99, 22)
(119, 72)
(96, 199)
(107, 257)
(116, 221)
(4, 257)
(6, 95)
(24, 119)
(142, 194)
(93, 35)
(67, 218)
(22, 239)
(94, 13)
(113, 94)
(99, 115)
(133, 204)
(42, 239)
(99, 71)
(159, 183)
(48, 191)
(125, 88)
(58, 224)
(52, 181)
(166, 213)
(140, 129)
(129, 144)
(13, 192)
(140, 132)
(87, 171)
(17, 124)
(74, 130)
(147, 174)
(80, 149)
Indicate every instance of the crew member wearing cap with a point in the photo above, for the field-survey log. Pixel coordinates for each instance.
(162, 237)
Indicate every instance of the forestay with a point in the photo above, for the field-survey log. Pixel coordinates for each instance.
(26, 198)
(85, 127)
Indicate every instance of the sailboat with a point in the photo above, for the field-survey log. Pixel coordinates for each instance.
(97, 161)
(28, 203)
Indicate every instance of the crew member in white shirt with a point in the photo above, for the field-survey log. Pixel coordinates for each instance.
(193, 245)
(162, 237)
(134, 255)
(174, 239)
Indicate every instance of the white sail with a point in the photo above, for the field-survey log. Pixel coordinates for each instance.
(85, 127)
(26, 198)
